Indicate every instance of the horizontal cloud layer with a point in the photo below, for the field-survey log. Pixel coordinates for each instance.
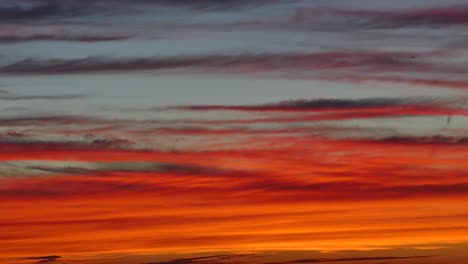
(203, 131)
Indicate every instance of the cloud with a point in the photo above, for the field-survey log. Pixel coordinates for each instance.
(13, 97)
(336, 109)
(49, 120)
(266, 196)
(7, 39)
(14, 10)
(12, 134)
(357, 66)
(336, 18)
(429, 82)
(37, 10)
(212, 4)
(45, 259)
(436, 16)
(93, 143)
(247, 63)
(145, 168)
(346, 190)
(266, 176)
(427, 140)
(90, 65)
(213, 259)
(347, 259)
(55, 187)
(199, 173)
(242, 131)
(317, 105)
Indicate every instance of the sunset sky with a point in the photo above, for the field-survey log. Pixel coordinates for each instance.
(233, 131)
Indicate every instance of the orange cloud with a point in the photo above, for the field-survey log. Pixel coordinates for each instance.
(309, 194)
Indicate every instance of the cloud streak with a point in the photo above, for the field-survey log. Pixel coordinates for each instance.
(320, 105)
(12, 39)
(11, 11)
(346, 259)
(12, 97)
(45, 259)
(331, 66)
(379, 19)
(233, 132)
(254, 62)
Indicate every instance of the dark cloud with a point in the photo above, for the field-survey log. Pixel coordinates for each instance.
(427, 140)
(183, 169)
(37, 10)
(28, 120)
(357, 66)
(309, 18)
(338, 109)
(198, 4)
(55, 188)
(91, 65)
(317, 104)
(429, 82)
(99, 143)
(440, 16)
(29, 11)
(212, 4)
(299, 261)
(20, 10)
(214, 259)
(44, 259)
(13, 97)
(267, 187)
(381, 19)
(12, 134)
(146, 168)
(63, 170)
(347, 190)
(69, 38)
(246, 63)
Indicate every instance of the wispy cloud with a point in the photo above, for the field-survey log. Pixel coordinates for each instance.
(48, 120)
(339, 109)
(203, 260)
(346, 259)
(436, 140)
(14, 11)
(332, 66)
(228, 127)
(254, 63)
(16, 97)
(321, 105)
(442, 16)
(7, 39)
(44, 259)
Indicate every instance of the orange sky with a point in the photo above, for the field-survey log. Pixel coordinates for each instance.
(233, 131)
(306, 194)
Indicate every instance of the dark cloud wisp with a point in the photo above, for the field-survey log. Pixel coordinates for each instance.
(44, 259)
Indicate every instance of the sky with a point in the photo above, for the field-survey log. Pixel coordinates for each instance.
(233, 131)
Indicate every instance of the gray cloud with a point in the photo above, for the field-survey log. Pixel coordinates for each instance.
(320, 104)
(248, 63)
(426, 140)
(341, 19)
(20, 10)
(48, 120)
(11, 39)
(12, 97)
